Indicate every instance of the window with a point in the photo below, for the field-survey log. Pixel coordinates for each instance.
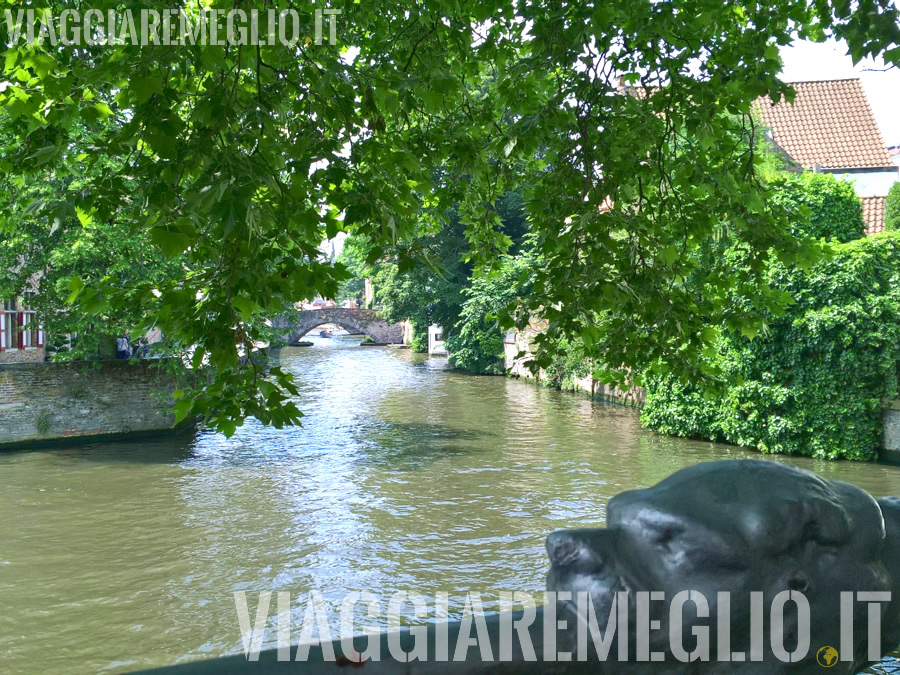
(30, 331)
(30, 335)
(8, 325)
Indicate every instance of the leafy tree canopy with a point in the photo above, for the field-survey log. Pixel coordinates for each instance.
(433, 290)
(892, 208)
(477, 344)
(241, 159)
(46, 255)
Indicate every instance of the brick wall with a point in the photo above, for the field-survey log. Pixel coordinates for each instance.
(514, 343)
(30, 355)
(42, 403)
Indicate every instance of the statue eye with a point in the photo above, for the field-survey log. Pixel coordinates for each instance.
(798, 583)
(663, 537)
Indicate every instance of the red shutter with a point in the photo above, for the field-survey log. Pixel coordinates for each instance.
(21, 322)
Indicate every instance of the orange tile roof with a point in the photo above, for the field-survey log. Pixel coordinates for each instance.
(829, 124)
(873, 214)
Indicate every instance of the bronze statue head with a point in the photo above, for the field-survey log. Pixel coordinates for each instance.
(740, 527)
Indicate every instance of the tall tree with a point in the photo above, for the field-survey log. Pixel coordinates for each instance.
(44, 254)
(424, 279)
(242, 158)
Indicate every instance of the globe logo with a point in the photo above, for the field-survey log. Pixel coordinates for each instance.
(827, 657)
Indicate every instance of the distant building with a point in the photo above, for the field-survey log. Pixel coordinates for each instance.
(894, 152)
(830, 128)
(436, 340)
(873, 214)
(21, 335)
(318, 303)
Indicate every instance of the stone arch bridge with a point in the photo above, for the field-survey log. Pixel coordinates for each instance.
(364, 321)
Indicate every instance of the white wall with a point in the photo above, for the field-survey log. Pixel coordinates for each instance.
(436, 346)
(871, 184)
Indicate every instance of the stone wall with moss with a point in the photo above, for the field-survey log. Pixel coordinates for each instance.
(44, 403)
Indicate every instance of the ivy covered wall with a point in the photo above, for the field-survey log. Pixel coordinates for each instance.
(817, 381)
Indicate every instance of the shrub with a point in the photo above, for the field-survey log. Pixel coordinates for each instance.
(419, 341)
(816, 382)
(478, 348)
(477, 342)
(567, 365)
(830, 206)
(892, 208)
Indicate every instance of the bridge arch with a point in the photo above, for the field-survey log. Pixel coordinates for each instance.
(365, 321)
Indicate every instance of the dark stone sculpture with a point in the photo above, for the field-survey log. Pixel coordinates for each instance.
(737, 526)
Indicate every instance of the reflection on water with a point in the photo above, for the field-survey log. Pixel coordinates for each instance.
(405, 475)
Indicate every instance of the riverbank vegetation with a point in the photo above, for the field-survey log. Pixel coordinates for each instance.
(627, 129)
(812, 379)
(816, 380)
(426, 280)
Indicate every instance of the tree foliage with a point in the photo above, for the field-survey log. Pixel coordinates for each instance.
(353, 258)
(892, 208)
(432, 290)
(477, 344)
(815, 383)
(829, 207)
(75, 244)
(239, 160)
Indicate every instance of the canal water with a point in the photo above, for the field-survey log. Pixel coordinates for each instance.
(405, 476)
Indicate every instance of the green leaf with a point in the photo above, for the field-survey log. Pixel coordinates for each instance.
(103, 110)
(84, 217)
(145, 87)
(197, 358)
(170, 242)
(44, 155)
(75, 285)
(163, 144)
(749, 332)
(245, 306)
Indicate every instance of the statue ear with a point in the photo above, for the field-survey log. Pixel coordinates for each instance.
(890, 509)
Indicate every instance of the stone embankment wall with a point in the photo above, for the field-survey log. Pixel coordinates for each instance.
(514, 343)
(891, 438)
(26, 355)
(46, 403)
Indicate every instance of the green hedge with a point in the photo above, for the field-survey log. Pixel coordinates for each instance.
(892, 208)
(816, 382)
(419, 342)
(834, 209)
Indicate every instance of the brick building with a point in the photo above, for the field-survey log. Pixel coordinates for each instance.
(830, 128)
(21, 335)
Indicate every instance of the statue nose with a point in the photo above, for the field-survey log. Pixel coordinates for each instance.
(584, 549)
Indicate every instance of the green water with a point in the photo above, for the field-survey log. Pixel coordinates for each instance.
(406, 476)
